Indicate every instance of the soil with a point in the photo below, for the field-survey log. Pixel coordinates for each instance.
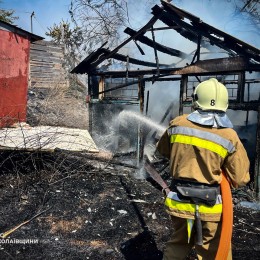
(64, 205)
(90, 209)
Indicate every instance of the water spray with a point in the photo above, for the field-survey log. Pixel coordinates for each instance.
(127, 116)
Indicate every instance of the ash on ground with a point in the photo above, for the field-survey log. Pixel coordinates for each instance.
(92, 210)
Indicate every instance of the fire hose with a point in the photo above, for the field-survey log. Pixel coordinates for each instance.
(227, 220)
(227, 211)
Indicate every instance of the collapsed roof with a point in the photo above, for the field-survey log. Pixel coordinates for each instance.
(241, 55)
(213, 53)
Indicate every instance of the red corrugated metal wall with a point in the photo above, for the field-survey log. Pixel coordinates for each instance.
(14, 66)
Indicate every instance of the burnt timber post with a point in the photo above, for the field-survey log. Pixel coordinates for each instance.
(241, 87)
(183, 92)
(140, 140)
(257, 159)
(90, 114)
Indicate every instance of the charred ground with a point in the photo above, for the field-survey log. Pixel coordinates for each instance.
(89, 209)
(93, 210)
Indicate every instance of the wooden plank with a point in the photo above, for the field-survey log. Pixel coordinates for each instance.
(47, 43)
(47, 138)
(46, 68)
(213, 66)
(35, 62)
(257, 158)
(47, 60)
(48, 53)
(42, 78)
(44, 64)
(55, 82)
(156, 45)
(46, 48)
(48, 78)
(49, 83)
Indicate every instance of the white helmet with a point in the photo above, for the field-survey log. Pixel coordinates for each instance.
(211, 95)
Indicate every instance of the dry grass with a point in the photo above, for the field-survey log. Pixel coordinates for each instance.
(57, 106)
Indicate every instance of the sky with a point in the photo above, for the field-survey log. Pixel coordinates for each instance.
(47, 12)
(216, 13)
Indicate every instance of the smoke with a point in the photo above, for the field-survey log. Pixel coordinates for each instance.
(220, 14)
(130, 116)
(161, 96)
(225, 15)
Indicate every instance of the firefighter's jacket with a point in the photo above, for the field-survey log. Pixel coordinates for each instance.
(199, 153)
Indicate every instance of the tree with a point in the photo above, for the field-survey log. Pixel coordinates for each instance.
(62, 33)
(72, 39)
(100, 20)
(252, 8)
(7, 15)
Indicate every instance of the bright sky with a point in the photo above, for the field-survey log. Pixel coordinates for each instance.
(216, 13)
(47, 12)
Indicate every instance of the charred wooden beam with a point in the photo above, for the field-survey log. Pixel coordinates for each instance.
(85, 66)
(226, 42)
(180, 13)
(145, 40)
(245, 106)
(241, 87)
(120, 86)
(155, 52)
(165, 28)
(257, 159)
(191, 30)
(166, 19)
(121, 57)
(153, 78)
(206, 67)
(224, 65)
(217, 37)
(132, 73)
(183, 91)
(96, 58)
(139, 32)
(197, 53)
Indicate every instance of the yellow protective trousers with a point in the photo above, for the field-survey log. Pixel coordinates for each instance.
(178, 248)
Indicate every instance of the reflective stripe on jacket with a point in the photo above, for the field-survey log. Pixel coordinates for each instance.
(187, 210)
(202, 139)
(200, 153)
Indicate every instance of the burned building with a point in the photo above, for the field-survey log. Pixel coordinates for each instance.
(208, 52)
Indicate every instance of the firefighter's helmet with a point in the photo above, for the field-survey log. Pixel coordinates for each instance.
(210, 95)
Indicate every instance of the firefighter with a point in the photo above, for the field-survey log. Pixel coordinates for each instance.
(201, 147)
